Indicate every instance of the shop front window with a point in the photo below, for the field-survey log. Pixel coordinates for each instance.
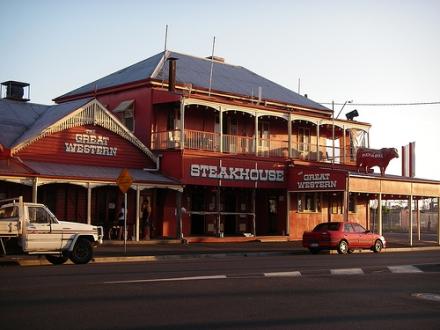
(352, 204)
(309, 202)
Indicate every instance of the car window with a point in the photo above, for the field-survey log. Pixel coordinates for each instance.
(348, 228)
(38, 215)
(8, 212)
(332, 226)
(358, 228)
(321, 227)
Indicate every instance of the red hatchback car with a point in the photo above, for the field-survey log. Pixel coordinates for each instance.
(342, 236)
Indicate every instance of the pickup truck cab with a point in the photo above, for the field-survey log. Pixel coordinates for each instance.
(36, 230)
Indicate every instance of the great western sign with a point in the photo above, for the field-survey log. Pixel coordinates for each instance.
(316, 179)
(90, 143)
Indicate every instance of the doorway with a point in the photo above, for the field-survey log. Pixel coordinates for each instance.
(230, 220)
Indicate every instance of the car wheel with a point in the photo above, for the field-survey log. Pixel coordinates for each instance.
(378, 245)
(343, 247)
(314, 250)
(82, 252)
(55, 259)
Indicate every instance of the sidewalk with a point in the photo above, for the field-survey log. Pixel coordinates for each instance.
(147, 251)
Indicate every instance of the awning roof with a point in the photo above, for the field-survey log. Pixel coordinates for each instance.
(123, 106)
(95, 173)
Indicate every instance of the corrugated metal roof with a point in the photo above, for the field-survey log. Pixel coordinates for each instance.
(193, 70)
(21, 121)
(138, 71)
(96, 173)
(16, 118)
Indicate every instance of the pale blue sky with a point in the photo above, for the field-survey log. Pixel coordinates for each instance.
(365, 51)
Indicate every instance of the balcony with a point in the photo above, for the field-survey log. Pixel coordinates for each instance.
(244, 145)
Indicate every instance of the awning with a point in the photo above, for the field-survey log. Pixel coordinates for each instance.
(123, 106)
(108, 175)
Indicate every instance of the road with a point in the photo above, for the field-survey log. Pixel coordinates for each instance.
(360, 291)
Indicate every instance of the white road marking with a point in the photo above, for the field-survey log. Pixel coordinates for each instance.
(404, 269)
(191, 278)
(347, 271)
(283, 274)
(427, 296)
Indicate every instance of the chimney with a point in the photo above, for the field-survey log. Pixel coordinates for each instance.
(172, 74)
(15, 90)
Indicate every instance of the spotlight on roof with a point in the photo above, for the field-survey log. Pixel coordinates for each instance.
(350, 115)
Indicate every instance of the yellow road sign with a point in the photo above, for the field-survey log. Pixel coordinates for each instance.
(124, 180)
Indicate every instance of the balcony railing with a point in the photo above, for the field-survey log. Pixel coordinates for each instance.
(234, 144)
(166, 140)
(202, 140)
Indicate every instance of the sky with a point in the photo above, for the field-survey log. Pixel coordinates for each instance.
(371, 52)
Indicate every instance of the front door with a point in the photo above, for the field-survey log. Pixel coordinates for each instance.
(198, 218)
(41, 231)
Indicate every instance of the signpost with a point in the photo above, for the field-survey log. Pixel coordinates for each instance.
(124, 182)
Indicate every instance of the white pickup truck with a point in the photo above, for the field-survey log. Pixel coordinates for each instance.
(37, 231)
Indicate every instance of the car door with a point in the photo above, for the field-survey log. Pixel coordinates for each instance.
(365, 237)
(350, 235)
(40, 234)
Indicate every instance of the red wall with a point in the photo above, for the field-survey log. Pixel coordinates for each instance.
(52, 149)
(142, 109)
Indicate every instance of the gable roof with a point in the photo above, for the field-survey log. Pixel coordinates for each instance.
(50, 116)
(196, 71)
(23, 123)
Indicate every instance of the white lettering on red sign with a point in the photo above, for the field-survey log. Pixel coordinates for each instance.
(236, 173)
(89, 143)
(317, 181)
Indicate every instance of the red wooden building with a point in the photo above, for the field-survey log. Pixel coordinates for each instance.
(69, 156)
(252, 157)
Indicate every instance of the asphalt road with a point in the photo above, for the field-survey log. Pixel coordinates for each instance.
(360, 291)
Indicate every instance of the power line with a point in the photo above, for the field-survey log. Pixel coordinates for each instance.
(384, 104)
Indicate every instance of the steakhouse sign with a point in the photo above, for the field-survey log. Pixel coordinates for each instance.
(316, 180)
(236, 173)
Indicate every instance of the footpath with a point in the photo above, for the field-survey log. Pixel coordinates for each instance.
(156, 250)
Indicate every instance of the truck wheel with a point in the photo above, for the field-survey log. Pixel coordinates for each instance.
(55, 259)
(82, 252)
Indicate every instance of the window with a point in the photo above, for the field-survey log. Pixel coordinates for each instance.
(352, 204)
(8, 212)
(336, 203)
(325, 226)
(125, 110)
(38, 215)
(303, 139)
(309, 202)
(348, 228)
(128, 119)
(358, 228)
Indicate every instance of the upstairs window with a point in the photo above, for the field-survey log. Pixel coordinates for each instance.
(125, 112)
(304, 139)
